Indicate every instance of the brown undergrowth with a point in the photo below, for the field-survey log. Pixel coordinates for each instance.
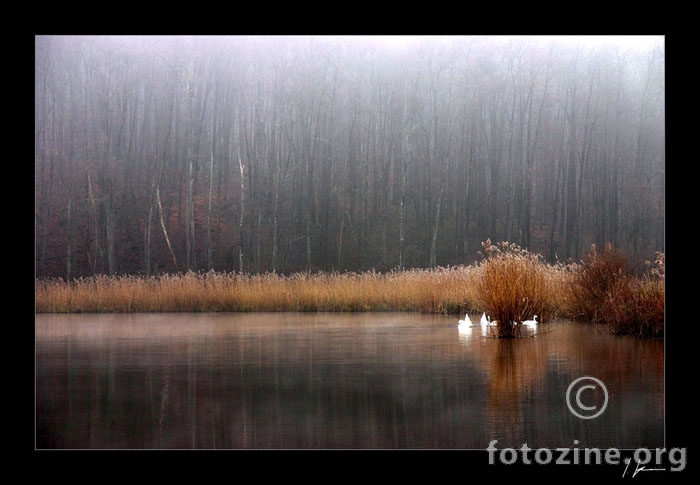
(606, 292)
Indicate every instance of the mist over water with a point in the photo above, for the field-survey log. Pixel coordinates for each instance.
(319, 381)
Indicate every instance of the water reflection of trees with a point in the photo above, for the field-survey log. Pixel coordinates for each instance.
(267, 386)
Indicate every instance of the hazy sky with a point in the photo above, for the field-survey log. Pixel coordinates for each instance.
(634, 42)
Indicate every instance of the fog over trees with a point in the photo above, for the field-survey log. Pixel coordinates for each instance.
(286, 154)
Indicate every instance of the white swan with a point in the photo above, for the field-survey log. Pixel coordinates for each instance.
(487, 320)
(464, 328)
(531, 323)
(464, 324)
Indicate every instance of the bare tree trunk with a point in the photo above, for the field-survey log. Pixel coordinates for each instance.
(436, 226)
(93, 209)
(189, 218)
(106, 182)
(241, 167)
(275, 229)
(308, 244)
(571, 189)
(402, 217)
(191, 259)
(209, 201)
(339, 262)
(69, 239)
(436, 223)
(162, 225)
(147, 241)
(43, 72)
(110, 225)
(148, 231)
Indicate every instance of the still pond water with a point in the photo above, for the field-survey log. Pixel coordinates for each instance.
(318, 381)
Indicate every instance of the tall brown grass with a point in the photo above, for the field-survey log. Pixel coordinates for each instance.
(515, 284)
(635, 308)
(599, 273)
(438, 290)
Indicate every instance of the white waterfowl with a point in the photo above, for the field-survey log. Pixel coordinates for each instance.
(464, 324)
(487, 320)
(531, 323)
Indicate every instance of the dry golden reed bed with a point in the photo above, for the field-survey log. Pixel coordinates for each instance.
(437, 290)
(453, 290)
(509, 284)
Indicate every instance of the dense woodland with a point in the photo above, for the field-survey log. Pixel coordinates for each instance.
(289, 154)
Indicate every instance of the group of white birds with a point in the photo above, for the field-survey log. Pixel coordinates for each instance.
(486, 321)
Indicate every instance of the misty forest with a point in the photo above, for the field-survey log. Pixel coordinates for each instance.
(289, 154)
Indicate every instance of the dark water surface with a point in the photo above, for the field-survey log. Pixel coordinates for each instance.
(367, 380)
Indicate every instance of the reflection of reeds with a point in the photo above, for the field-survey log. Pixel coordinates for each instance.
(517, 368)
(504, 388)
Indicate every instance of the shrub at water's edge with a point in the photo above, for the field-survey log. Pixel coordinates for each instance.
(607, 293)
(513, 287)
(635, 306)
(597, 276)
